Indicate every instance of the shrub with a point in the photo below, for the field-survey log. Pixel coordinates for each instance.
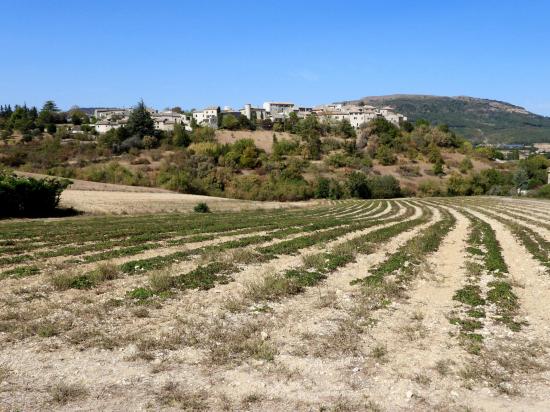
(180, 137)
(114, 173)
(543, 192)
(341, 160)
(285, 147)
(358, 185)
(384, 187)
(149, 142)
(437, 168)
(26, 196)
(465, 165)
(201, 208)
(409, 171)
(210, 149)
(386, 156)
(203, 134)
(431, 188)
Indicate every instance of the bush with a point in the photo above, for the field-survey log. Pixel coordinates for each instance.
(229, 122)
(386, 156)
(210, 149)
(26, 196)
(285, 147)
(342, 160)
(149, 142)
(114, 173)
(543, 192)
(358, 185)
(431, 188)
(384, 187)
(465, 165)
(201, 208)
(325, 188)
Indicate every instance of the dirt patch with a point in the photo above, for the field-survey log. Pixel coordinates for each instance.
(263, 139)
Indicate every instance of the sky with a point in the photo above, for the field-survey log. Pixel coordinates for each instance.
(194, 54)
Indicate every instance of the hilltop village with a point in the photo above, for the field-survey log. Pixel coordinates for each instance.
(266, 116)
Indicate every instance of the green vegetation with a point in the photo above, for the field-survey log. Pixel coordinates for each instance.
(195, 162)
(29, 197)
(495, 301)
(475, 119)
(201, 207)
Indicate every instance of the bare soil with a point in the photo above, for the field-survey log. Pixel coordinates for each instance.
(322, 349)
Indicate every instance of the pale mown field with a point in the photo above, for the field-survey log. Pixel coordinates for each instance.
(432, 304)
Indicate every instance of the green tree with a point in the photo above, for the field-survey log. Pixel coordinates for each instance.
(77, 116)
(321, 188)
(48, 114)
(384, 187)
(140, 122)
(345, 129)
(422, 122)
(437, 168)
(385, 155)
(357, 185)
(229, 122)
(291, 123)
(465, 165)
(407, 126)
(180, 137)
(521, 179)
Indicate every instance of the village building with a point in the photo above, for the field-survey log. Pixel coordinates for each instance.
(257, 113)
(207, 117)
(357, 115)
(103, 126)
(167, 120)
(278, 110)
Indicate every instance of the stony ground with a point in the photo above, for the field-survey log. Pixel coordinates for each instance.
(432, 304)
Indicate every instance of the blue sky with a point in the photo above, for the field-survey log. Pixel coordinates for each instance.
(198, 53)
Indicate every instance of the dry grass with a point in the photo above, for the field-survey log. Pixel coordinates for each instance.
(413, 331)
(345, 339)
(233, 343)
(504, 366)
(328, 299)
(271, 287)
(4, 373)
(444, 366)
(161, 281)
(104, 272)
(172, 394)
(379, 352)
(63, 393)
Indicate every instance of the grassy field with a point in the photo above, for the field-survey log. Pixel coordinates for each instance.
(409, 304)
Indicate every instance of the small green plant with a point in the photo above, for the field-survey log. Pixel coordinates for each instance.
(201, 207)
(140, 293)
(64, 281)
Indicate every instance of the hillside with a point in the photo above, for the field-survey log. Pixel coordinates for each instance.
(479, 120)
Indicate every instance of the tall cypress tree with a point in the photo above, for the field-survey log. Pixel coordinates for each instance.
(140, 122)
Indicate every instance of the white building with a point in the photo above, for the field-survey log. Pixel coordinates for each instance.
(109, 114)
(278, 110)
(258, 112)
(103, 126)
(357, 115)
(166, 120)
(207, 117)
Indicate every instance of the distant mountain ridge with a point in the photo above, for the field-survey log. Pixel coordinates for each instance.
(479, 120)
